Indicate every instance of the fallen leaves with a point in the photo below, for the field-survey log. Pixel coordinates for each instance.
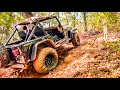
(118, 53)
(92, 59)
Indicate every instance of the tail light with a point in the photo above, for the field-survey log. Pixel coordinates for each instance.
(15, 52)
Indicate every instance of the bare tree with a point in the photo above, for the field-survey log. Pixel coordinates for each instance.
(105, 31)
(84, 19)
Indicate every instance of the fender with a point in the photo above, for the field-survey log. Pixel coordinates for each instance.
(48, 43)
(71, 32)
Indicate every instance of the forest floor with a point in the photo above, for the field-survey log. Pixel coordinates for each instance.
(92, 59)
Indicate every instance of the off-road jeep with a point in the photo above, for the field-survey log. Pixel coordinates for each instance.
(38, 45)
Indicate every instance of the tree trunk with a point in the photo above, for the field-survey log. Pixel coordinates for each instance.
(28, 14)
(85, 24)
(105, 30)
(74, 17)
(58, 15)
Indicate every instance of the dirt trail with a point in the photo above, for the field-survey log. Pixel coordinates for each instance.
(92, 59)
(72, 59)
(89, 60)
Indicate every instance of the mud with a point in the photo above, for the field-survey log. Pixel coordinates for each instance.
(92, 59)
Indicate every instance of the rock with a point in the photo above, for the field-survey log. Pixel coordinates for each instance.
(93, 32)
(99, 57)
(105, 69)
(114, 66)
(86, 47)
(95, 55)
(101, 46)
(118, 53)
(91, 42)
(100, 39)
(113, 75)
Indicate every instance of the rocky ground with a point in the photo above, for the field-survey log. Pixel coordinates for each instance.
(92, 59)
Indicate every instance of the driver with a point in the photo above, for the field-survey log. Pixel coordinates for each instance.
(25, 32)
(25, 29)
(28, 32)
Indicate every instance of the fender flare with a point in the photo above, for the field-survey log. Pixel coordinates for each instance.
(48, 43)
(71, 32)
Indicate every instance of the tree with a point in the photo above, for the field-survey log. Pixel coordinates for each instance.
(107, 18)
(84, 19)
(103, 21)
(28, 14)
(7, 19)
(105, 29)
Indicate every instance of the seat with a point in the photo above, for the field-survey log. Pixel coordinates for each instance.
(22, 35)
(39, 32)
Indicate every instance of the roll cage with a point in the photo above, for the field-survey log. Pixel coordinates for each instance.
(32, 20)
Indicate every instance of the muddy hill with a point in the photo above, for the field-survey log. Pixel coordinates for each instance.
(94, 58)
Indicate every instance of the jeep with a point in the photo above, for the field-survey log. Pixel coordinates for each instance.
(37, 45)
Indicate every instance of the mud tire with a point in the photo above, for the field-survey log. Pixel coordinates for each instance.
(39, 63)
(75, 40)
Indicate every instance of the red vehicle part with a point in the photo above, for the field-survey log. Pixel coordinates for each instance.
(15, 52)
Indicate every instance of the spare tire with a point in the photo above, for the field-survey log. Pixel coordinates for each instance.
(3, 56)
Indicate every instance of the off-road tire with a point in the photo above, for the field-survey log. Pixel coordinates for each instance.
(39, 63)
(4, 60)
(75, 40)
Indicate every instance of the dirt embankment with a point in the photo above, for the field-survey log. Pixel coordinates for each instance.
(90, 60)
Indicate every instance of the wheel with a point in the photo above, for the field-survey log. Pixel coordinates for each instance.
(75, 40)
(4, 60)
(46, 60)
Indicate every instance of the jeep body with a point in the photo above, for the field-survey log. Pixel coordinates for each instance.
(27, 49)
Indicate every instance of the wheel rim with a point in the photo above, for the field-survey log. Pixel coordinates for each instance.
(49, 61)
